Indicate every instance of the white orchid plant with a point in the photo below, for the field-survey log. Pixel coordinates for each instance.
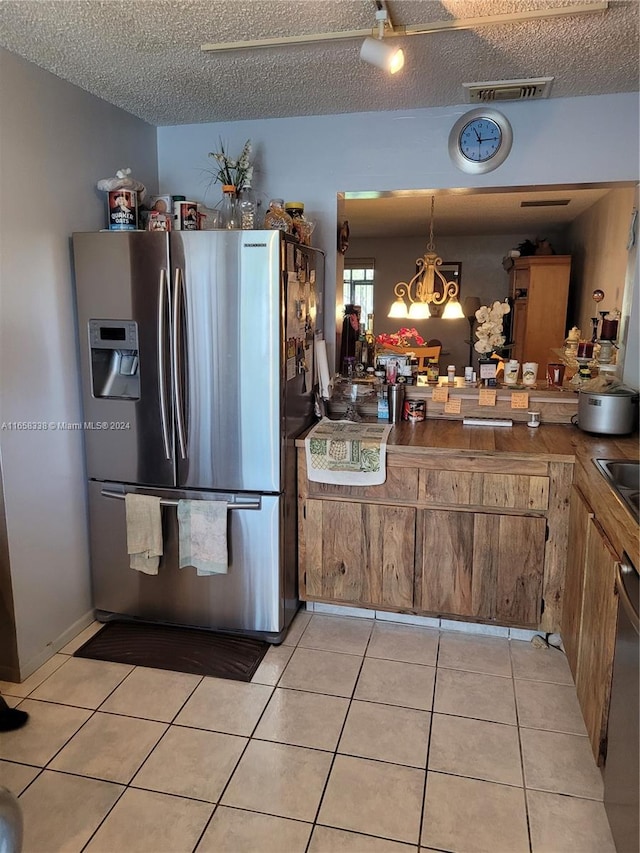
(237, 173)
(489, 332)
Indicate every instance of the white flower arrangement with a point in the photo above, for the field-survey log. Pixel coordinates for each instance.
(237, 173)
(489, 332)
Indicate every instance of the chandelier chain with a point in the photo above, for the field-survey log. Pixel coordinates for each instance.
(431, 246)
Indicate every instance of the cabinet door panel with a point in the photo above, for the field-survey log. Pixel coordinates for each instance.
(597, 639)
(579, 515)
(515, 562)
(361, 553)
(483, 565)
(447, 562)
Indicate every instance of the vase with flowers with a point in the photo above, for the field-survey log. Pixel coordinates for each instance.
(489, 332)
(489, 338)
(235, 175)
(403, 338)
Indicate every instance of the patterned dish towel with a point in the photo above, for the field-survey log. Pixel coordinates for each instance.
(347, 453)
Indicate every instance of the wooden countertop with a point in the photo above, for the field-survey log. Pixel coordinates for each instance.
(551, 442)
(610, 512)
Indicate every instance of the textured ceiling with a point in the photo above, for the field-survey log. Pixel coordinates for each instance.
(144, 55)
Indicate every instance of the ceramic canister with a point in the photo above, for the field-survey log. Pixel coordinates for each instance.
(511, 370)
(529, 373)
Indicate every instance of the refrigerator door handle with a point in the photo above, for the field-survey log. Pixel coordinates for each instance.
(163, 306)
(178, 300)
(168, 502)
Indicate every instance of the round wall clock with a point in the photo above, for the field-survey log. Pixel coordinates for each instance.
(480, 141)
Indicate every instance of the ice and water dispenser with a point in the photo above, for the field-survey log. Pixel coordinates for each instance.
(113, 345)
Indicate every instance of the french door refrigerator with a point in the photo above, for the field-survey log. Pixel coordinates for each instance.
(197, 362)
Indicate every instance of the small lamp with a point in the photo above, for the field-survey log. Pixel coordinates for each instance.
(453, 310)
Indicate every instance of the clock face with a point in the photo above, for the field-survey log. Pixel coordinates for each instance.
(480, 140)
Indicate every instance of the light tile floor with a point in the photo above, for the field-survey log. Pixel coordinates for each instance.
(355, 736)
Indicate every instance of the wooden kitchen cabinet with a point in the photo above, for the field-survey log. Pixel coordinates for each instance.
(539, 288)
(589, 617)
(483, 566)
(472, 538)
(358, 553)
(597, 637)
(580, 515)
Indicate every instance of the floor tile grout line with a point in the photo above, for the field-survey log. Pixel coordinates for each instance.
(521, 753)
(335, 751)
(426, 766)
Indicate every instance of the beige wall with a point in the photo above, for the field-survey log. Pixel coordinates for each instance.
(598, 243)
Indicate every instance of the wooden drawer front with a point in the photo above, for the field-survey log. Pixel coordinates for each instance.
(359, 552)
(466, 488)
(401, 485)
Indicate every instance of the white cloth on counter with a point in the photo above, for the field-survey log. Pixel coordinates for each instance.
(144, 532)
(346, 453)
(203, 536)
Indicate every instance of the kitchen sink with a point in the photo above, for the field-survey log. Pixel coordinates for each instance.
(623, 476)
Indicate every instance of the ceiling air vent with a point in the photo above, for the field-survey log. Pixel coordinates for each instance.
(509, 90)
(546, 202)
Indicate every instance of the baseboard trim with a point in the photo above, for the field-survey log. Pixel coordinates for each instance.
(424, 621)
(34, 663)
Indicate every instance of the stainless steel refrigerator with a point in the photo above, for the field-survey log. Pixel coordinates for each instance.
(197, 361)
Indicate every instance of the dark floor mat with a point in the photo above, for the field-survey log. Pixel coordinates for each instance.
(178, 649)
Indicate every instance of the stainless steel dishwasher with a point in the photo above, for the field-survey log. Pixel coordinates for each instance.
(621, 768)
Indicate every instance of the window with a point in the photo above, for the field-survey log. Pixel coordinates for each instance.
(358, 285)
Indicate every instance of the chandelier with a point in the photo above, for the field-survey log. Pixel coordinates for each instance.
(427, 287)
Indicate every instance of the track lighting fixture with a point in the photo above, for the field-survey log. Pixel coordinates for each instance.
(376, 52)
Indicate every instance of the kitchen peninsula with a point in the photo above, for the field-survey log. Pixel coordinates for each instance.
(471, 523)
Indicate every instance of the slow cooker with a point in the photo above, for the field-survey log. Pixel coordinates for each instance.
(610, 412)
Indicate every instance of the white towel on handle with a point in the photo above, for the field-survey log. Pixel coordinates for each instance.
(144, 532)
(203, 536)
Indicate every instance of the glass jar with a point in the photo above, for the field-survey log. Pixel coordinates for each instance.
(277, 217)
(433, 370)
(229, 217)
(301, 227)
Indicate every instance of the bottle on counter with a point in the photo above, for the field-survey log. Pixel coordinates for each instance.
(451, 374)
(247, 211)
(277, 217)
(362, 352)
(433, 370)
(229, 217)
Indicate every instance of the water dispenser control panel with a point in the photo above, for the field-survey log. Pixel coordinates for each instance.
(113, 334)
(113, 345)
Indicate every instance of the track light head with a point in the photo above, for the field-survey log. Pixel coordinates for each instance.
(385, 56)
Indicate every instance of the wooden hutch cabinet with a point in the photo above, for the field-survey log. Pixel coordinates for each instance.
(539, 287)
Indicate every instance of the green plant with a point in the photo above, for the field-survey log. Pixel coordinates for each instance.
(232, 172)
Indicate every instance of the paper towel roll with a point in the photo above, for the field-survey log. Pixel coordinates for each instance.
(323, 369)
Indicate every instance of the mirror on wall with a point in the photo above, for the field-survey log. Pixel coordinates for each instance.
(476, 229)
